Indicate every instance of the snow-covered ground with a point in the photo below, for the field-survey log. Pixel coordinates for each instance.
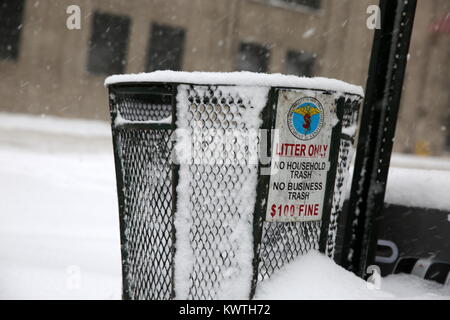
(58, 210)
(315, 276)
(59, 232)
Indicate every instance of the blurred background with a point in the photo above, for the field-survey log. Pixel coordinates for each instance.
(59, 227)
(48, 69)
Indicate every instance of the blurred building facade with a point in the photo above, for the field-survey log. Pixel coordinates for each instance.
(48, 69)
(424, 120)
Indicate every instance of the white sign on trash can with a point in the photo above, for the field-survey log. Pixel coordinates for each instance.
(300, 156)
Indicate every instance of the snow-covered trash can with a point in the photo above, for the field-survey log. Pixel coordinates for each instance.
(222, 178)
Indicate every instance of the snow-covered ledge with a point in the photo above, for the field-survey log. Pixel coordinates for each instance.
(242, 78)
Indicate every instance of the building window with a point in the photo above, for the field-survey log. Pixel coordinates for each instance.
(253, 57)
(314, 4)
(108, 43)
(294, 4)
(300, 63)
(11, 15)
(165, 50)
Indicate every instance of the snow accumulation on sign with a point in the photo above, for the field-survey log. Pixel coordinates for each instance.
(300, 156)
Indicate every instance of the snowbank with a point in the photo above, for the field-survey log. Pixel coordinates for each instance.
(406, 286)
(243, 78)
(420, 162)
(419, 188)
(55, 125)
(314, 276)
(416, 182)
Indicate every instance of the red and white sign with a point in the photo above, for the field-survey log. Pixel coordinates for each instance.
(300, 159)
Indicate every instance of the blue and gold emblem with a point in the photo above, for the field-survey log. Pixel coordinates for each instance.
(305, 118)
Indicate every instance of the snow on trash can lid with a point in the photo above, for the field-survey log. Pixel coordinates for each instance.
(242, 78)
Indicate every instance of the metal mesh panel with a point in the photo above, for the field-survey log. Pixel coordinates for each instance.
(284, 241)
(144, 107)
(351, 112)
(147, 219)
(346, 150)
(218, 199)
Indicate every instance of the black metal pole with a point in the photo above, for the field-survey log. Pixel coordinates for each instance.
(120, 183)
(383, 94)
(263, 185)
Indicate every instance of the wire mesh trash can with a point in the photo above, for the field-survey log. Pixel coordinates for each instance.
(222, 178)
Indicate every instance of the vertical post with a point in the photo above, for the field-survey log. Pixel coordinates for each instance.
(175, 177)
(331, 176)
(268, 125)
(383, 94)
(120, 192)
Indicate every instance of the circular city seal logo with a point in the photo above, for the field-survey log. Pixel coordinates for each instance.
(305, 118)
